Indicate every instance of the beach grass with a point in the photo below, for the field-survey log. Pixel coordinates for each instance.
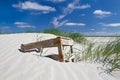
(108, 54)
(111, 55)
(75, 36)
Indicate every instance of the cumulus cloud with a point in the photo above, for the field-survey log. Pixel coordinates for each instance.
(101, 13)
(34, 6)
(74, 24)
(23, 25)
(56, 1)
(111, 24)
(57, 21)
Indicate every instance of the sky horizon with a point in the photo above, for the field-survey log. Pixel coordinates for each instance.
(91, 17)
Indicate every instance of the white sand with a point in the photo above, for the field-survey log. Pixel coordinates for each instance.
(15, 65)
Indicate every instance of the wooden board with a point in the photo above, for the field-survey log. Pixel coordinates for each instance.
(55, 42)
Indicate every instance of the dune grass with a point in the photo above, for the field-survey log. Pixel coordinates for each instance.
(108, 54)
(111, 55)
(75, 36)
(53, 31)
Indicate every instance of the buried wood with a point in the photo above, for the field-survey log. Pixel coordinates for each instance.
(55, 42)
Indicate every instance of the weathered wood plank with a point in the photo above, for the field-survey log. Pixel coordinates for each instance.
(55, 42)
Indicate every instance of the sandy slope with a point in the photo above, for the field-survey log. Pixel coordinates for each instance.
(15, 65)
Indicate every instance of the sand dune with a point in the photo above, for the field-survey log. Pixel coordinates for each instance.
(15, 65)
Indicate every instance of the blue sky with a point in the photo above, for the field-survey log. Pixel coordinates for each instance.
(100, 17)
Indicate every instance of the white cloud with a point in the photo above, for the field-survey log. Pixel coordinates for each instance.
(63, 22)
(85, 6)
(82, 14)
(68, 10)
(56, 1)
(37, 13)
(20, 23)
(92, 29)
(111, 24)
(75, 5)
(74, 24)
(23, 25)
(33, 6)
(101, 14)
(61, 16)
(57, 23)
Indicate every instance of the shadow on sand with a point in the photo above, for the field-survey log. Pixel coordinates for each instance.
(52, 56)
(29, 51)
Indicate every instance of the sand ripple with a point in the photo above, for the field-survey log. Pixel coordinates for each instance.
(15, 65)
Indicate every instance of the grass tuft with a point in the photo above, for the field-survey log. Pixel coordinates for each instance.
(75, 36)
(108, 53)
